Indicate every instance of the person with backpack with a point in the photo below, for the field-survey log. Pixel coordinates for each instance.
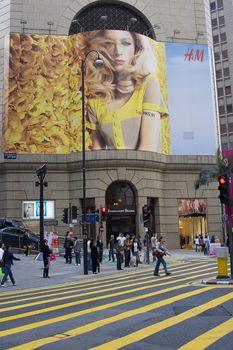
(7, 259)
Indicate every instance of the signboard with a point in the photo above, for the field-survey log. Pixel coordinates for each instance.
(31, 210)
(169, 92)
(10, 155)
(50, 222)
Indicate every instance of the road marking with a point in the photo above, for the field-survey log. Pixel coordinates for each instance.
(100, 323)
(159, 326)
(139, 281)
(98, 280)
(47, 301)
(96, 286)
(83, 312)
(208, 338)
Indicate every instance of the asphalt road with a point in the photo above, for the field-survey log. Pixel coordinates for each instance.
(131, 309)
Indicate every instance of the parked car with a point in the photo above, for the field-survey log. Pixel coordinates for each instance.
(10, 222)
(17, 237)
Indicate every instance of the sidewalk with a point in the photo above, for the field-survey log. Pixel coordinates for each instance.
(28, 272)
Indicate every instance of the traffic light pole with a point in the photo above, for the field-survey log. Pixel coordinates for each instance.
(230, 238)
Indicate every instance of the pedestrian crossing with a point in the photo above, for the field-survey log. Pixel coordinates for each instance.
(138, 306)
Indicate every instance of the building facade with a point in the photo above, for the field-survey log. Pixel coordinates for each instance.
(222, 26)
(122, 180)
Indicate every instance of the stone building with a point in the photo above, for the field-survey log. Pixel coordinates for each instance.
(123, 181)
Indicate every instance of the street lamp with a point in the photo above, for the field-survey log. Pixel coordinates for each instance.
(97, 63)
(41, 172)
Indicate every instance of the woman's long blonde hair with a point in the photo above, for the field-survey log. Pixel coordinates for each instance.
(102, 82)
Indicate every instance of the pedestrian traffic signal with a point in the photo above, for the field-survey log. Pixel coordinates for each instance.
(103, 214)
(146, 213)
(74, 212)
(97, 215)
(65, 218)
(223, 189)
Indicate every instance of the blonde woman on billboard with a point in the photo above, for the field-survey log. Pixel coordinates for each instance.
(125, 101)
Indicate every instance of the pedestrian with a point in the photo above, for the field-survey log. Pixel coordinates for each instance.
(100, 246)
(127, 249)
(111, 248)
(94, 255)
(77, 251)
(207, 245)
(121, 238)
(135, 251)
(46, 255)
(69, 245)
(119, 254)
(161, 252)
(197, 243)
(65, 241)
(212, 240)
(153, 245)
(2, 247)
(7, 259)
(89, 261)
(26, 244)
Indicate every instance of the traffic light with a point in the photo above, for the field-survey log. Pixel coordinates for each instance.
(223, 189)
(103, 214)
(146, 213)
(74, 212)
(97, 215)
(65, 218)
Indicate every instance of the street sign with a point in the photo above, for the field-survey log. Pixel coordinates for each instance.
(10, 155)
(90, 218)
(50, 222)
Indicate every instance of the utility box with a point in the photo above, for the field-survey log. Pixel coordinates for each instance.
(222, 256)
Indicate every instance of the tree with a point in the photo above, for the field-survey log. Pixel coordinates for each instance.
(223, 167)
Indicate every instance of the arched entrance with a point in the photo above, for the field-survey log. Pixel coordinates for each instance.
(121, 205)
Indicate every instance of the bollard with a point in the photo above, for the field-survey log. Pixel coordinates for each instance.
(222, 255)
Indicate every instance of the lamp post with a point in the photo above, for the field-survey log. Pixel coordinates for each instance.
(97, 63)
(41, 172)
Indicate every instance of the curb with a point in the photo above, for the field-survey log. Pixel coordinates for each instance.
(216, 281)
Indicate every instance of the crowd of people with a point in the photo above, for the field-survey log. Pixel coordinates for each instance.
(123, 249)
(128, 251)
(202, 243)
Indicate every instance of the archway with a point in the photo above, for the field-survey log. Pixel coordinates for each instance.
(121, 206)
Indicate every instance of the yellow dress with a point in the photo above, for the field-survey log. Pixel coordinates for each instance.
(120, 128)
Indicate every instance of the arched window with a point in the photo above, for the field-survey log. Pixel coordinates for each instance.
(111, 15)
(120, 194)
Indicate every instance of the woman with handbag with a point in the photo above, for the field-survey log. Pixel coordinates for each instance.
(46, 258)
(161, 252)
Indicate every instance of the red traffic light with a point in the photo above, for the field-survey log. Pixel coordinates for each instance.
(104, 210)
(222, 180)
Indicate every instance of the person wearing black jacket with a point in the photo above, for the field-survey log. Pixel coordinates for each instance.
(8, 258)
(94, 255)
(100, 246)
(46, 254)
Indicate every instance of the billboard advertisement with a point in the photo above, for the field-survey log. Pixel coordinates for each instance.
(191, 207)
(31, 210)
(148, 95)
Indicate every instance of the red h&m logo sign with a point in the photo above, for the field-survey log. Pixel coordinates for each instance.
(194, 55)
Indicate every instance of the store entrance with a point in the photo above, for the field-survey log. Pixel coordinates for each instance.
(120, 223)
(121, 209)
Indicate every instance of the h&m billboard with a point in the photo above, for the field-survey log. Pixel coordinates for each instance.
(148, 95)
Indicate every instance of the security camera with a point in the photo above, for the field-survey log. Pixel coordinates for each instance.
(41, 170)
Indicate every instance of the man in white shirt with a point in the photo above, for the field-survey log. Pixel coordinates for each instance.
(121, 238)
(1, 250)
